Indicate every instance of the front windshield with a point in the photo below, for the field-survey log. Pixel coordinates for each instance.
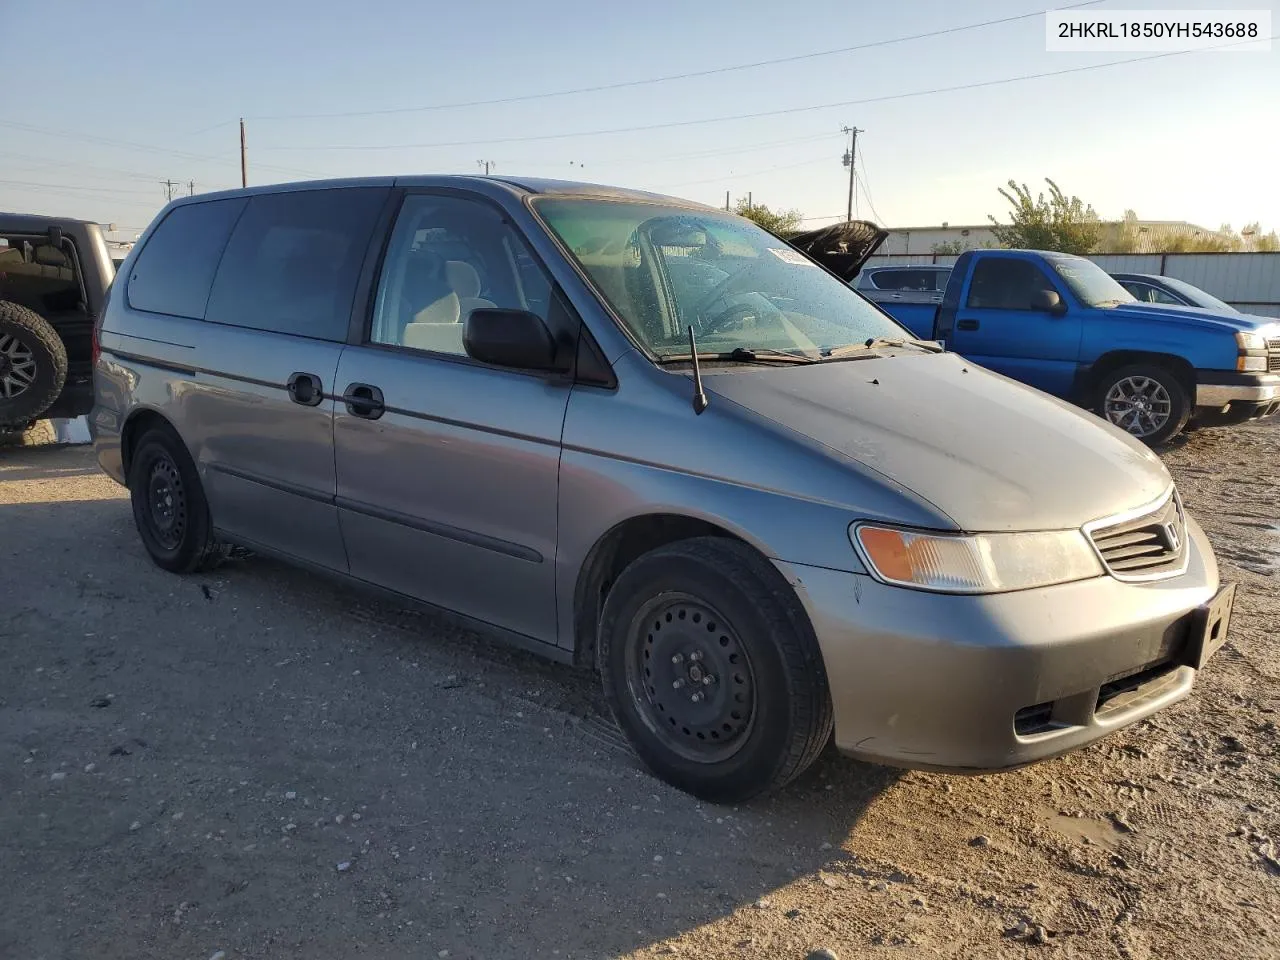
(1197, 296)
(664, 269)
(1092, 285)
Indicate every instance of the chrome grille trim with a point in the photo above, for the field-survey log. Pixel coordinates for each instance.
(1147, 543)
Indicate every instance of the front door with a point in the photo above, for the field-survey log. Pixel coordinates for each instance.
(447, 469)
(997, 327)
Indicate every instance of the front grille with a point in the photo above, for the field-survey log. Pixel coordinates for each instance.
(1273, 355)
(1150, 545)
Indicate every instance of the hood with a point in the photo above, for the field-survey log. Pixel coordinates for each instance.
(988, 452)
(842, 248)
(1200, 316)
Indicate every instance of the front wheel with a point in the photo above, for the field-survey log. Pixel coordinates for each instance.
(712, 669)
(1147, 401)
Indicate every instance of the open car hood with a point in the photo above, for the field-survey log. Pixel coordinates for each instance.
(843, 247)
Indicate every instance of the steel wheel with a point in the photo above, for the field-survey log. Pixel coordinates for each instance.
(167, 503)
(1141, 405)
(17, 367)
(690, 677)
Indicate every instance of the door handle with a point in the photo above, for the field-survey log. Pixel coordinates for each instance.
(967, 325)
(306, 389)
(363, 400)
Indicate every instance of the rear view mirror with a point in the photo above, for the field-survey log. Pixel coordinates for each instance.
(1049, 301)
(509, 338)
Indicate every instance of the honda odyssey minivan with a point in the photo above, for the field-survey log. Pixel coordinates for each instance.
(639, 434)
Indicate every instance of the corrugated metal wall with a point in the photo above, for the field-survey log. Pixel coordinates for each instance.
(1248, 281)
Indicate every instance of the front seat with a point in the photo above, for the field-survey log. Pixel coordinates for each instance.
(433, 309)
(465, 282)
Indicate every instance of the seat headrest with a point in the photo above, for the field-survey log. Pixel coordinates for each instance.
(462, 278)
(51, 256)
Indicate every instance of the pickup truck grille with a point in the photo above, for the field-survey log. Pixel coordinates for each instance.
(1146, 547)
(1273, 355)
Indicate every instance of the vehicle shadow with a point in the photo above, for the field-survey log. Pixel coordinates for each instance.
(294, 768)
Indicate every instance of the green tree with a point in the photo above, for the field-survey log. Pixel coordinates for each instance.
(949, 248)
(782, 223)
(1061, 223)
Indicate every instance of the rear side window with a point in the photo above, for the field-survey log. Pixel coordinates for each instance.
(293, 261)
(174, 271)
(914, 280)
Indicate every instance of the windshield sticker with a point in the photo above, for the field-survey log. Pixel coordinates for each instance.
(791, 256)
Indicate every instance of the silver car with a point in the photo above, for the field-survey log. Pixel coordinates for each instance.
(584, 418)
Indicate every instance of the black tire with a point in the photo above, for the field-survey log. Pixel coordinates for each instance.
(1168, 406)
(28, 435)
(33, 364)
(169, 506)
(720, 598)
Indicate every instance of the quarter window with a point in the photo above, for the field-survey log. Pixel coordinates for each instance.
(174, 270)
(293, 260)
(449, 256)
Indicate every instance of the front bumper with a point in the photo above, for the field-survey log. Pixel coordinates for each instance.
(980, 683)
(1217, 389)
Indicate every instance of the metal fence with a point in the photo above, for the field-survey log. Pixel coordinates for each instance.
(1250, 282)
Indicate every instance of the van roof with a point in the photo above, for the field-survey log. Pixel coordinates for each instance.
(520, 185)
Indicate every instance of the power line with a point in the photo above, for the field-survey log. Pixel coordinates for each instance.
(625, 84)
(867, 193)
(980, 84)
(866, 189)
(125, 144)
(739, 176)
(73, 186)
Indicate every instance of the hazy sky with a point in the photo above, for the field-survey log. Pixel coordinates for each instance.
(104, 100)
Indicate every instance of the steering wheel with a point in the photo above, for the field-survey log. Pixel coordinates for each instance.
(733, 309)
(720, 307)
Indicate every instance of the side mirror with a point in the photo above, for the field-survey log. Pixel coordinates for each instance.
(510, 338)
(1048, 301)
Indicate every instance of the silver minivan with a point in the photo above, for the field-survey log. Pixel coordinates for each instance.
(648, 437)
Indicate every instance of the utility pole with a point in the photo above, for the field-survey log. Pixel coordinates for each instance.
(244, 163)
(168, 188)
(749, 207)
(726, 201)
(191, 188)
(849, 162)
(486, 164)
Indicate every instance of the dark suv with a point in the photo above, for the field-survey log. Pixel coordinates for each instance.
(54, 276)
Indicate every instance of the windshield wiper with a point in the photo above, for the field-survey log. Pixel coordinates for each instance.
(742, 355)
(865, 348)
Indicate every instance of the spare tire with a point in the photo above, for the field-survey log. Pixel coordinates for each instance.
(33, 364)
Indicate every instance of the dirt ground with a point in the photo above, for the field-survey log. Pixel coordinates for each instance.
(255, 763)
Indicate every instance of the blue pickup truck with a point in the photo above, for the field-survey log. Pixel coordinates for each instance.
(1062, 324)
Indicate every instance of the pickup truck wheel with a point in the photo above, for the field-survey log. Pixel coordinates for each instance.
(169, 507)
(712, 670)
(1146, 400)
(33, 364)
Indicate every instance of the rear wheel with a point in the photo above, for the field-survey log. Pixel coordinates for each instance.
(28, 435)
(169, 507)
(712, 670)
(1146, 400)
(33, 364)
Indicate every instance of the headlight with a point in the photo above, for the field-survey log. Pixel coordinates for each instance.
(979, 563)
(1248, 341)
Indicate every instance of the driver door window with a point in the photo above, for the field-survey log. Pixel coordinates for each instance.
(1146, 293)
(447, 257)
(1006, 283)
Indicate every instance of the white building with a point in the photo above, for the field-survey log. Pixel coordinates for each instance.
(1148, 236)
